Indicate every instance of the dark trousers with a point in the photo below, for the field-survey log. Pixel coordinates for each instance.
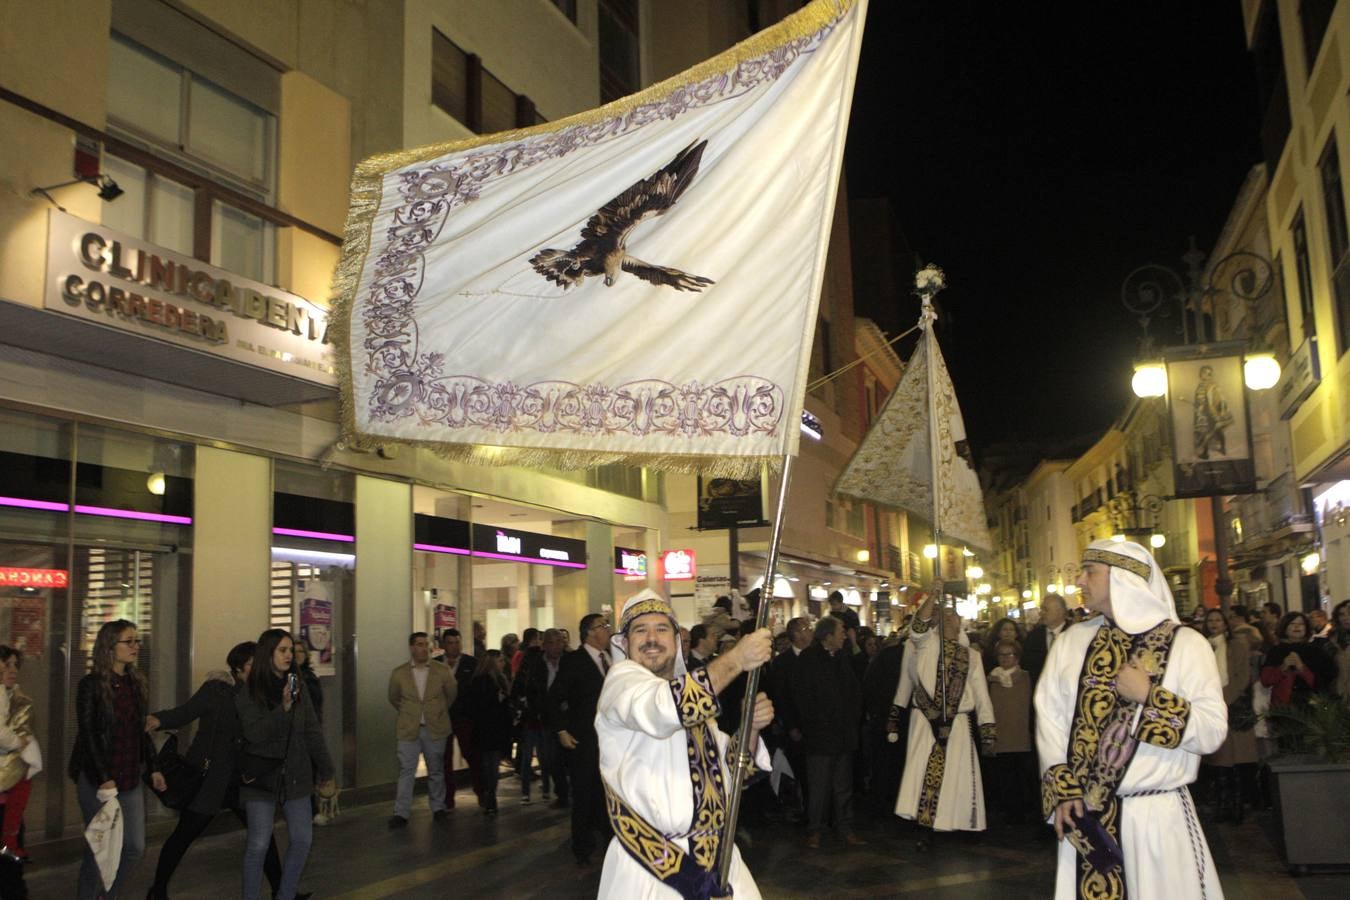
(831, 779)
(1013, 786)
(557, 765)
(888, 762)
(588, 800)
(190, 827)
(796, 758)
(489, 763)
(463, 733)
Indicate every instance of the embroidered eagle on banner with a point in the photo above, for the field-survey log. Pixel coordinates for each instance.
(603, 246)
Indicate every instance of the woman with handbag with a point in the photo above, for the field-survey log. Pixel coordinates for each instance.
(112, 751)
(282, 748)
(1237, 754)
(206, 781)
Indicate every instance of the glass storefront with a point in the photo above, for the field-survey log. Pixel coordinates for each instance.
(95, 525)
(313, 587)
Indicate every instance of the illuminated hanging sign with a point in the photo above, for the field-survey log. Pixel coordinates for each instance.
(33, 578)
(100, 275)
(526, 546)
(628, 561)
(677, 565)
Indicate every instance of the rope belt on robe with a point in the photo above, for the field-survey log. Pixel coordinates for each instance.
(1102, 744)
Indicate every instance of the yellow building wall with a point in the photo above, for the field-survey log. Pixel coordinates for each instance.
(314, 162)
(1321, 426)
(231, 555)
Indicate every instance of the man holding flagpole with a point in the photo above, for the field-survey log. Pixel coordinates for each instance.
(665, 764)
(941, 786)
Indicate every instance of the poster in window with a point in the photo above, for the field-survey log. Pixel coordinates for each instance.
(316, 625)
(1211, 437)
(446, 616)
(28, 625)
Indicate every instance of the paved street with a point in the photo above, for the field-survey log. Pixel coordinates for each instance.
(524, 854)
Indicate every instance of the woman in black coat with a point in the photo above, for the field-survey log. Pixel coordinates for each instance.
(212, 752)
(488, 702)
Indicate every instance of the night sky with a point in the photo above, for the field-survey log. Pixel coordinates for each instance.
(1039, 153)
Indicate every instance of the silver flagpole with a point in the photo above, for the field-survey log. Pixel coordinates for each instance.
(927, 290)
(744, 752)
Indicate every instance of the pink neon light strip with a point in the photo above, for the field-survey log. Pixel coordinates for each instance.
(436, 548)
(104, 511)
(131, 514)
(34, 504)
(526, 559)
(316, 535)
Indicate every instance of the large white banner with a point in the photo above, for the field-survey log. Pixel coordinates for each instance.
(633, 284)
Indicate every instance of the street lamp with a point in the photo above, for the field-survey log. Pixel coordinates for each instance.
(1143, 293)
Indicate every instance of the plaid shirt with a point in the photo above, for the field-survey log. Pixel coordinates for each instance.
(128, 724)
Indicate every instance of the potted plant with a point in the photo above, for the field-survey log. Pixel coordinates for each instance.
(1312, 779)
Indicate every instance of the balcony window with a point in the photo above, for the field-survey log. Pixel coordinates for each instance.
(1303, 269)
(171, 110)
(152, 208)
(242, 243)
(620, 58)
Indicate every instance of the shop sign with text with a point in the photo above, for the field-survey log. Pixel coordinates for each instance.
(678, 565)
(101, 275)
(527, 546)
(33, 578)
(628, 561)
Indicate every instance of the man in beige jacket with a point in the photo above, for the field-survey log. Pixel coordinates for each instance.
(422, 690)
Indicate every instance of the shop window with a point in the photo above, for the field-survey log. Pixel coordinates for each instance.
(620, 69)
(95, 525)
(313, 585)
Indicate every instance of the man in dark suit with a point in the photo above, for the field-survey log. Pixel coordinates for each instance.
(829, 702)
(461, 726)
(571, 705)
(1054, 615)
(702, 646)
(779, 680)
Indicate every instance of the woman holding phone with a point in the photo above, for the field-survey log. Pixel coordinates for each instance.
(283, 748)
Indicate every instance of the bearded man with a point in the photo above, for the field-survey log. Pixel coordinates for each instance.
(1128, 704)
(666, 767)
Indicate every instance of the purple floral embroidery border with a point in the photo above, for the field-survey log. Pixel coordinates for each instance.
(410, 382)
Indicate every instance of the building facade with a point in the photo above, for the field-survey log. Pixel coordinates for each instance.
(1301, 52)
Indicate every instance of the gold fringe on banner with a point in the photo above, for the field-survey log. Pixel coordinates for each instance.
(366, 198)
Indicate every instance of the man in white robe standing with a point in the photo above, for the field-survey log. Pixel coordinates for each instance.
(1128, 703)
(665, 764)
(941, 786)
